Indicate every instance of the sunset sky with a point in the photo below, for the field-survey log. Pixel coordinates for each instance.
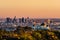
(30, 8)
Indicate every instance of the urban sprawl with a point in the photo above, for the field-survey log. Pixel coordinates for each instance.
(11, 24)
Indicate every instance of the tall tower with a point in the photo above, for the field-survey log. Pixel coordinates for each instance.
(8, 20)
(20, 20)
(23, 19)
(14, 20)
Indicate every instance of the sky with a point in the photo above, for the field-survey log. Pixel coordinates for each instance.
(30, 8)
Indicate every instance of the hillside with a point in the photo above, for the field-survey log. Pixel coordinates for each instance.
(30, 35)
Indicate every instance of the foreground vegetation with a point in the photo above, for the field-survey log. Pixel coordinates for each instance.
(30, 35)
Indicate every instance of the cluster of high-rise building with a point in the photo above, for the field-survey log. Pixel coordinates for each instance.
(35, 23)
(19, 20)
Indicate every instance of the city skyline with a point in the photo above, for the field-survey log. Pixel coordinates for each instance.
(30, 8)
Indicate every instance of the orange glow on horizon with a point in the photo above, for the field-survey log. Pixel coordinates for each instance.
(30, 8)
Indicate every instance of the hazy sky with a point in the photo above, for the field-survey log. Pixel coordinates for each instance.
(30, 8)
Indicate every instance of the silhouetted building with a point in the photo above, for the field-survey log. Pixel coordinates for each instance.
(15, 20)
(8, 20)
(20, 20)
(23, 20)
